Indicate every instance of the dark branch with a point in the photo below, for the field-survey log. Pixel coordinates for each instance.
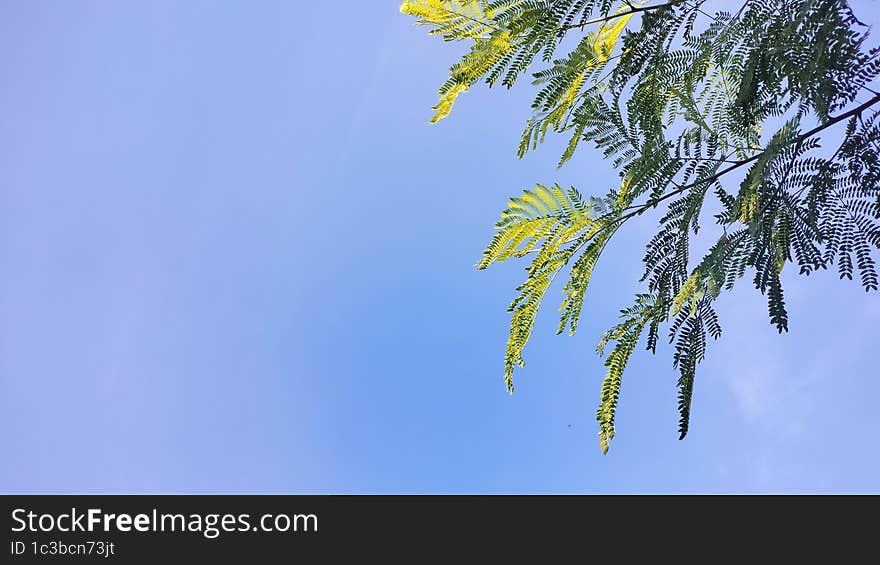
(632, 10)
(712, 178)
(640, 209)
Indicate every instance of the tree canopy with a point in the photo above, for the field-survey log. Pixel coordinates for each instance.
(701, 112)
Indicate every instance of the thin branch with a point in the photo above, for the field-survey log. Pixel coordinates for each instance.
(620, 15)
(682, 158)
(869, 89)
(712, 178)
(641, 208)
(696, 7)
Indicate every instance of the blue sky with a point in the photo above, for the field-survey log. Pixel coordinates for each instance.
(236, 258)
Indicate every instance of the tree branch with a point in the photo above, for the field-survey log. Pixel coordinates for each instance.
(712, 178)
(632, 10)
(640, 209)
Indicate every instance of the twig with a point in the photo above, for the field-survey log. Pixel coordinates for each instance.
(629, 12)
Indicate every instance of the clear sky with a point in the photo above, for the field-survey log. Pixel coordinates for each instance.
(235, 257)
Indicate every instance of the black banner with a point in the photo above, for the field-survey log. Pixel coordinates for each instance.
(156, 528)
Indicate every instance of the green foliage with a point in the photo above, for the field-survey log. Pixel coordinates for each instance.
(549, 222)
(733, 110)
